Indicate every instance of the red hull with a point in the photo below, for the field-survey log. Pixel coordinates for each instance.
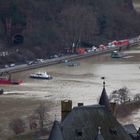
(4, 81)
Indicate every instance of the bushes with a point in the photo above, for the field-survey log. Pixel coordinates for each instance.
(125, 106)
(38, 122)
(17, 125)
(60, 23)
(125, 109)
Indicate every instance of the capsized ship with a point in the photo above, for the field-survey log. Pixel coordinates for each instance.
(6, 79)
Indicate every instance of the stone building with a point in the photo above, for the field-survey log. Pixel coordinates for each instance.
(93, 122)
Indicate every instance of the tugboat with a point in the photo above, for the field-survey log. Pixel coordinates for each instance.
(41, 75)
(6, 79)
(116, 54)
(1, 91)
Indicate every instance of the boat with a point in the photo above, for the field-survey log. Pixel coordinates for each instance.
(72, 63)
(41, 75)
(6, 79)
(117, 54)
(1, 91)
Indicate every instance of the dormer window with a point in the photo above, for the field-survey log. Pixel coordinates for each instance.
(79, 132)
(113, 131)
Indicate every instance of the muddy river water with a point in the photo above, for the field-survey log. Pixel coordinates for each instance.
(82, 83)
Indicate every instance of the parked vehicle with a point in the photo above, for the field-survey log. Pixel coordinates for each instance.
(6, 66)
(102, 47)
(80, 50)
(124, 42)
(12, 65)
(40, 60)
(29, 62)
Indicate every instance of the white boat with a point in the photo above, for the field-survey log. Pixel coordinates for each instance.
(41, 75)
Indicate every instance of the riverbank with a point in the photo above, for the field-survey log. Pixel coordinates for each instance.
(79, 84)
(58, 60)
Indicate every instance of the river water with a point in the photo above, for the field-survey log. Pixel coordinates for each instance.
(82, 83)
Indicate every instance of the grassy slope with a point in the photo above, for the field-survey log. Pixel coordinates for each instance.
(137, 5)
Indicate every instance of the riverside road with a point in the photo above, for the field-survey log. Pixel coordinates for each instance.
(53, 61)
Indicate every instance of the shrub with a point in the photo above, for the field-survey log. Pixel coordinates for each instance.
(17, 125)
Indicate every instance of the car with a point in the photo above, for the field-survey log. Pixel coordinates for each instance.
(12, 65)
(29, 62)
(6, 66)
(40, 60)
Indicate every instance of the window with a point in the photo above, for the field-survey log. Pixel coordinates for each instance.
(79, 132)
(113, 131)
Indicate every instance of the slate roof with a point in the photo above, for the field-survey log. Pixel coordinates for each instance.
(104, 98)
(131, 130)
(82, 123)
(56, 133)
(99, 135)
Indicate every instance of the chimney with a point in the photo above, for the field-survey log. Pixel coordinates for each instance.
(66, 107)
(80, 104)
(113, 107)
(138, 131)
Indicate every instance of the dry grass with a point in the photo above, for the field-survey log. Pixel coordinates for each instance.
(11, 108)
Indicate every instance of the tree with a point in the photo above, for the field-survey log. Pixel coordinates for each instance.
(17, 125)
(137, 97)
(16, 14)
(32, 122)
(41, 112)
(78, 23)
(120, 96)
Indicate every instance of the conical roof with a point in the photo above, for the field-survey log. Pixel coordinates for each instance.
(99, 135)
(104, 98)
(56, 133)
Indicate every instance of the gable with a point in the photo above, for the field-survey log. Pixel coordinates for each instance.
(83, 122)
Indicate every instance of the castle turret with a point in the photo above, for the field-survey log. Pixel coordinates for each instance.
(56, 133)
(104, 98)
(99, 135)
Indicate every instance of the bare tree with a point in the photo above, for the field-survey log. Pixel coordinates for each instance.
(17, 125)
(120, 95)
(77, 23)
(32, 122)
(41, 113)
(137, 97)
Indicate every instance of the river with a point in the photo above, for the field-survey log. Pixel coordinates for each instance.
(82, 83)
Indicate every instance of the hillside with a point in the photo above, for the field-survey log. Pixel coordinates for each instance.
(42, 28)
(136, 4)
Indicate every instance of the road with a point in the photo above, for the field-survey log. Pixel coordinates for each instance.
(53, 61)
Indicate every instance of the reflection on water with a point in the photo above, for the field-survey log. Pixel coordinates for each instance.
(81, 83)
